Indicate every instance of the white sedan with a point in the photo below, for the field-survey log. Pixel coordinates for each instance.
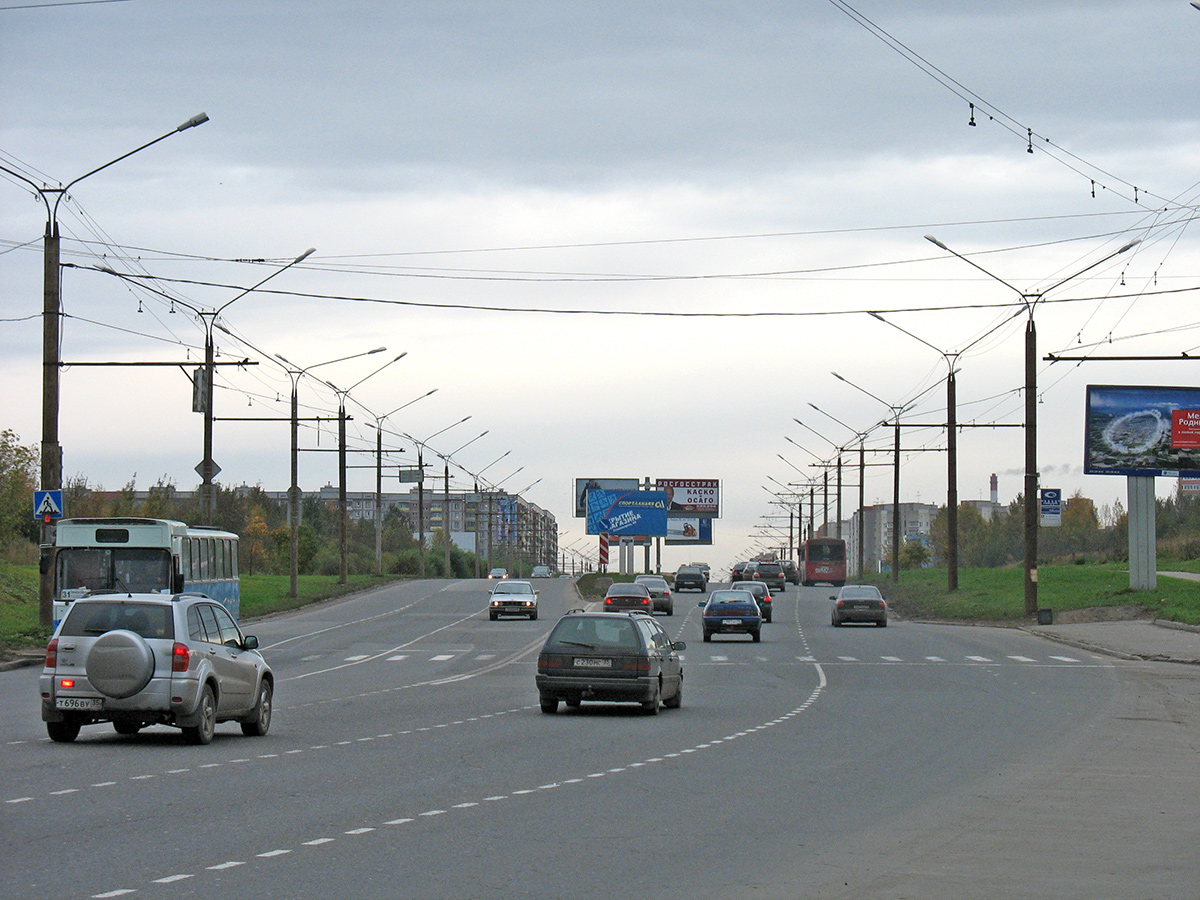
(513, 598)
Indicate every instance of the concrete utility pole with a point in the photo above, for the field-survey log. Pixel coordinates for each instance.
(51, 450)
(1030, 299)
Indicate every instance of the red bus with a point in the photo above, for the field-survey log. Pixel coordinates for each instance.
(823, 559)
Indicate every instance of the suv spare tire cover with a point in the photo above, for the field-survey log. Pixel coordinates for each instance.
(120, 664)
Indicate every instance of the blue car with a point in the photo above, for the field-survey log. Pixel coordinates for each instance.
(731, 612)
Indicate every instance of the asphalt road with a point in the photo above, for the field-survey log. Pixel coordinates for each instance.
(408, 759)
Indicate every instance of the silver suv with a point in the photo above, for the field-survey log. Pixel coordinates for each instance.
(153, 659)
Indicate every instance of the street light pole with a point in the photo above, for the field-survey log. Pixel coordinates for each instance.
(51, 450)
(420, 445)
(343, 512)
(294, 373)
(379, 478)
(208, 469)
(1030, 299)
(896, 522)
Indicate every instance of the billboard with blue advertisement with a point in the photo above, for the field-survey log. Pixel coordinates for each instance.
(1141, 430)
(627, 512)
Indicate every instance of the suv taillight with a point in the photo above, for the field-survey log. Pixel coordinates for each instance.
(181, 657)
(52, 654)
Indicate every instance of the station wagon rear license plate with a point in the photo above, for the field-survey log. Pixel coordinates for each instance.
(732, 622)
(79, 703)
(587, 662)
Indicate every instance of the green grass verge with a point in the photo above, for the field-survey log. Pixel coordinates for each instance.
(998, 595)
(261, 596)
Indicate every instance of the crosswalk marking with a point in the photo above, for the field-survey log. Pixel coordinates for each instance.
(1022, 658)
(978, 659)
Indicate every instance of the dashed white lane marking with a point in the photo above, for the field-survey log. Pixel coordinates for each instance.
(935, 659)
(1065, 659)
(171, 879)
(978, 659)
(441, 657)
(1024, 659)
(221, 867)
(358, 658)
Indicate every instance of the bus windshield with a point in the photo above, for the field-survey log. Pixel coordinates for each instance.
(826, 551)
(132, 569)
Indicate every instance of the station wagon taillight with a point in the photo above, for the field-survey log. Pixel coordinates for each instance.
(181, 657)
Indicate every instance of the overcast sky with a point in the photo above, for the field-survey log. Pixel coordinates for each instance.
(627, 239)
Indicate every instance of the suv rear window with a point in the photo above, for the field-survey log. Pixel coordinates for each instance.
(769, 569)
(95, 618)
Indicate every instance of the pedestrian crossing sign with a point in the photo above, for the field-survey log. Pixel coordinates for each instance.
(47, 505)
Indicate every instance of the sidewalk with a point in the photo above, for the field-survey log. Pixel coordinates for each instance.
(1149, 639)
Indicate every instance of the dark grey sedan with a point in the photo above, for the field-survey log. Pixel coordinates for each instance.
(859, 603)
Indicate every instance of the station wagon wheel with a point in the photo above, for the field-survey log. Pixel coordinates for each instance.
(549, 705)
(260, 719)
(650, 707)
(203, 732)
(677, 700)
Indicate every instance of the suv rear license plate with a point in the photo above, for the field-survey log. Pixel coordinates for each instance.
(592, 663)
(79, 703)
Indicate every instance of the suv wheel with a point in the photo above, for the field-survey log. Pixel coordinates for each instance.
(202, 733)
(63, 732)
(260, 719)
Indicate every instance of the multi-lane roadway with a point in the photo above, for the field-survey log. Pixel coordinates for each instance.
(408, 759)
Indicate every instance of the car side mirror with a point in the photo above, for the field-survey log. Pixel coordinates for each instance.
(250, 642)
(702, 603)
(679, 645)
(833, 596)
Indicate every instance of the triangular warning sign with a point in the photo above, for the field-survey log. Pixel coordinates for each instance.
(48, 507)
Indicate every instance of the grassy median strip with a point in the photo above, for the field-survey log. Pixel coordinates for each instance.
(998, 595)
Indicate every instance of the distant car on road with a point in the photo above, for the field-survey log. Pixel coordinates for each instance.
(541, 572)
(690, 578)
(513, 598)
(735, 574)
(791, 571)
(610, 657)
(761, 595)
(497, 574)
(624, 595)
(858, 603)
(660, 592)
(153, 659)
(731, 612)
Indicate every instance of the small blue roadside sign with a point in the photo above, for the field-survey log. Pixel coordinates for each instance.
(1051, 507)
(47, 505)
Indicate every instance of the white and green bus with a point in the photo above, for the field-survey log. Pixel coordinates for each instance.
(144, 555)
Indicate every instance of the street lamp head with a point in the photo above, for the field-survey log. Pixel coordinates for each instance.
(937, 243)
(198, 119)
(1137, 241)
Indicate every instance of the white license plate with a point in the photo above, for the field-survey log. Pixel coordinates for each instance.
(92, 703)
(732, 622)
(592, 663)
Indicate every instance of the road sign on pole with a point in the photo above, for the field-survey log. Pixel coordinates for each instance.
(47, 505)
(1051, 507)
